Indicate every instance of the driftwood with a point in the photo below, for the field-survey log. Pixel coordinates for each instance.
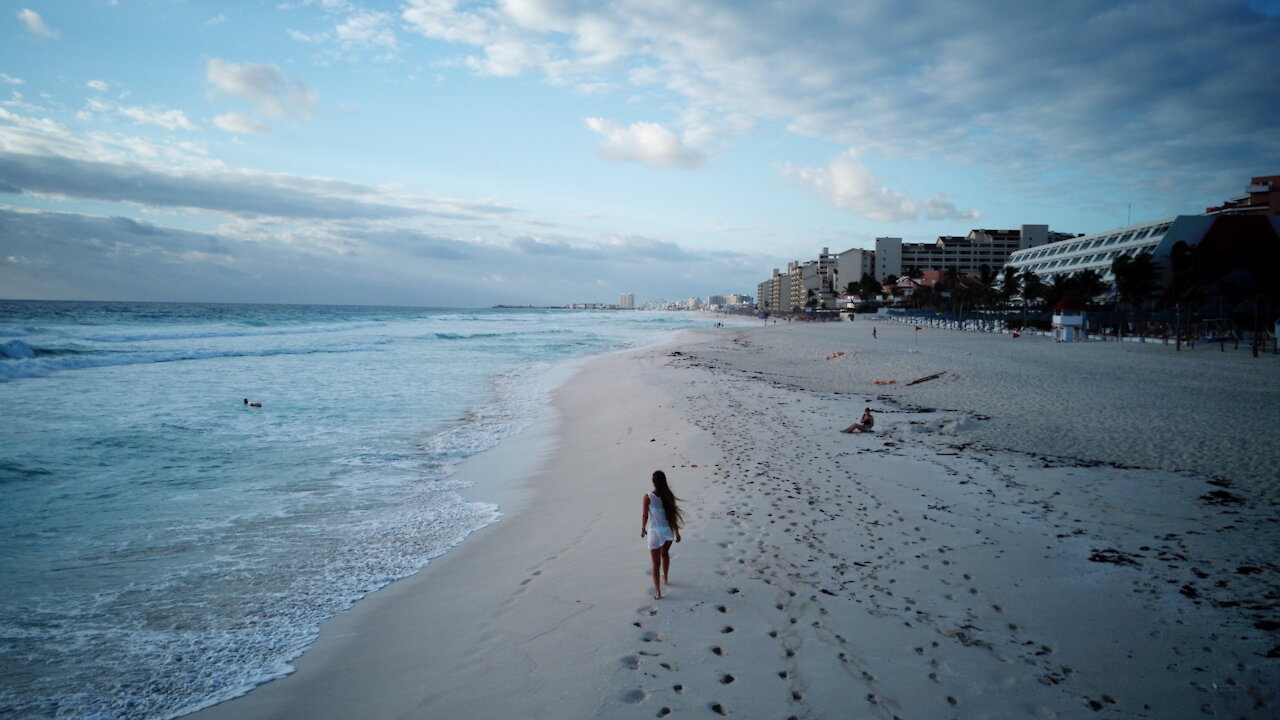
(927, 378)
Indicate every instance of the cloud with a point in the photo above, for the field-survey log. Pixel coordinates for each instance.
(266, 86)
(11, 80)
(234, 122)
(413, 243)
(850, 185)
(239, 193)
(216, 20)
(645, 247)
(646, 143)
(615, 248)
(939, 208)
(369, 29)
(167, 119)
(97, 85)
(1085, 97)
(36, 26)
(555, 247)
(442, 20)
(45, 157)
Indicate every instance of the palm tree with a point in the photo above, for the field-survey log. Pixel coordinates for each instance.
(1033, 290)
(1135, 279)
(1187, 286)
(869, 287)
(1088, 284)
(1009, 284)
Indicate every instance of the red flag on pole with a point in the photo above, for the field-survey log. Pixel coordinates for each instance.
(919, 328)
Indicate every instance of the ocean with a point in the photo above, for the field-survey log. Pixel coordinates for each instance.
(165, 546)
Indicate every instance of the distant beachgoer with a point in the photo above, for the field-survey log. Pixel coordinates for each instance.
(246, 402)
(873, 333)
(866, 424)
(661, 523)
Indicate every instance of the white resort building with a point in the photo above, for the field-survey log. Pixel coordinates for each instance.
(1098, 250)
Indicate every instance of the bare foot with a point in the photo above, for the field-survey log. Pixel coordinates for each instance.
(657, 596)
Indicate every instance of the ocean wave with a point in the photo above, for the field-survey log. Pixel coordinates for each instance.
(18, 350)
(209, 654)
(125, 337)
(484, 335)
(19, 366)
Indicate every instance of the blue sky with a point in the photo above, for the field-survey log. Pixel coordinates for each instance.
(434, 152)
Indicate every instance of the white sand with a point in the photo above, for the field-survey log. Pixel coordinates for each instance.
(930, 570)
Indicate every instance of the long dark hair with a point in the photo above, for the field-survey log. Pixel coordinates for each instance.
(674, 518)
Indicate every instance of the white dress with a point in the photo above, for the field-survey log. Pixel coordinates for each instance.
(659, 530)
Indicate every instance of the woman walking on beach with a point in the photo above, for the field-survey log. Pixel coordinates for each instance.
(661, 523)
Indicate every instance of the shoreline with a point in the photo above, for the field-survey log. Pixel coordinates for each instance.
(920, 571)
(475, 584)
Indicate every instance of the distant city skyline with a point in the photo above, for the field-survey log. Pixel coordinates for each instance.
(437, 153)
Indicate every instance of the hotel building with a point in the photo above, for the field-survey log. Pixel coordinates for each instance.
(968, 254)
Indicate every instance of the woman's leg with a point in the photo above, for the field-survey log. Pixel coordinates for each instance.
(656, 555)
(666, 560)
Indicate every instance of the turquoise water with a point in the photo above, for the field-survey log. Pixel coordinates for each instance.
(165, 546)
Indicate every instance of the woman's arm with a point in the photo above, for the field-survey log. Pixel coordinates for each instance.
(644, 517)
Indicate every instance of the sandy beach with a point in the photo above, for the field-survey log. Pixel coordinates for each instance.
(1039, 530)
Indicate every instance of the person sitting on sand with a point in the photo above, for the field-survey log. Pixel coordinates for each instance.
(867, 424)
(661, 523)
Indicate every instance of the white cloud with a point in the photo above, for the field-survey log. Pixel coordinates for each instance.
(646, 143)
(97, 85)
(273, 95)
(309, 38)
(442, 20)
(167, 119)
(939, 207)
(594, 88)
(369, 29)
(848, 184)
(11, 80)
(36, 26)
(215, 21)
(234, 122)
(924, 84)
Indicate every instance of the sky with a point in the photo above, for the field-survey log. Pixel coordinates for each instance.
(467, 154)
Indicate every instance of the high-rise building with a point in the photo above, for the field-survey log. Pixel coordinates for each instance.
(627, 301)
(967, 254)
